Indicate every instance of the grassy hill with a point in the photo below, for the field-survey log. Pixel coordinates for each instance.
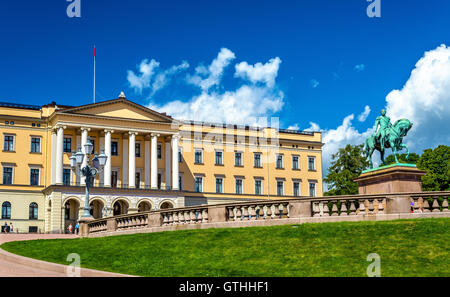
(406, 247)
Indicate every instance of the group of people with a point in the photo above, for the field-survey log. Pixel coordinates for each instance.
(73, 230)
(8, 229)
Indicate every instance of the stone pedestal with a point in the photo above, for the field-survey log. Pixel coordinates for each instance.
(396, 178)
(84, 228)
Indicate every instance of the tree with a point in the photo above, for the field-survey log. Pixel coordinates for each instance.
(347, 164)
(413, 159)
(437, 165)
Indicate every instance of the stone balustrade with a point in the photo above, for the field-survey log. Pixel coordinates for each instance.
(270, 212)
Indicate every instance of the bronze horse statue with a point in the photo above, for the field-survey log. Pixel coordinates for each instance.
(393, 139)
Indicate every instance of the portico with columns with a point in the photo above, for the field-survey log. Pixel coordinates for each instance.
(139, 144)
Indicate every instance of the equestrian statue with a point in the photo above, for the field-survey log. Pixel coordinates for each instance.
(385, 135)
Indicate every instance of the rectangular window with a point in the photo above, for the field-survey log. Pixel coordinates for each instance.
(138, 180)
(34, 176)
(180, 156)
(295, 163)
(180, 182)
(35, 144)
(159, 149)
(7, 175)
(311, 163)
(198, 157)
(219, 185)
(219, 158)
(114, 148)
(239, 186)
(258, 187)
(114, 178)
(280, 162)
(280, 188)
(159, 180)
(67, 145)
(312, 189)
(237, 159)
(138, 150)
(66, 177)
(199, 184)
(8, 144)
(296, 189)
(257, 160)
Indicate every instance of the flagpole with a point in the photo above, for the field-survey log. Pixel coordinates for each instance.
(95, 54)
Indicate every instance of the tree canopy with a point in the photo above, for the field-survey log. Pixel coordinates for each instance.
(436, 162)
(347, 164)
(413, 159)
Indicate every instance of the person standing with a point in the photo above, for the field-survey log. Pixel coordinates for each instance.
(70, 228)
(5, 228)
(77, 227)
(11, 227)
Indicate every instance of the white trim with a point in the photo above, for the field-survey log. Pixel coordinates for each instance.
(14, 142)
(262, 185)
(39, 174)
(235, 185)
(283, 181)
(31, 143)
(13, 170)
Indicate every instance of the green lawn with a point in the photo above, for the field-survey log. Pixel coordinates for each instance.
(417, 247)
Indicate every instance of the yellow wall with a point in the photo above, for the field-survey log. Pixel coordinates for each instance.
(267, 141)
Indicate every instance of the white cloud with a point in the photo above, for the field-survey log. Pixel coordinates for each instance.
(360, 67)
(264, 73)
(314, 83)
(142, 80)
(425, 100)
(294, 127)
(152, 78)
(243, 105)
(363, 116)
(205, 78)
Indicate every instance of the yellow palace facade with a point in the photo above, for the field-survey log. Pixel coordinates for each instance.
(154, 162)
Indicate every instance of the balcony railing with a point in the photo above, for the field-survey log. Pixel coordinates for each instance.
(305, 209)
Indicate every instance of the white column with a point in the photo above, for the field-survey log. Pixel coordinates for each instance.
(175, 164)
(154, 161)
(107, 169)
(168, 169)
(147, 163)
(53, 178)
(132, 160)
(125, 161)
(59, 155)
(84, 140)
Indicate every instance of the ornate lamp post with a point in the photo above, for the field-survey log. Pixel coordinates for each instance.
(89, 171)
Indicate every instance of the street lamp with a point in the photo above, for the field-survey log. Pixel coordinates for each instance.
(89, 172)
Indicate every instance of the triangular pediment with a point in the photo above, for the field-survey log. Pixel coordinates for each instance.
(120, 108)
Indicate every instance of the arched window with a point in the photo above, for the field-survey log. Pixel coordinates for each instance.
(6, 210)
(33, 211)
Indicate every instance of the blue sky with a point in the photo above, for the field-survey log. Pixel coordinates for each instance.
(334, 59)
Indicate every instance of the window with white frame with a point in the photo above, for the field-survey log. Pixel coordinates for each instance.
(258, 187)
(238, 159)
(198, 184)
(295, 162)
(159, 150)
(311, 163)
(280, 162)
(280, 187)
(219, 184)
(8, 175)
(8, 143)
(66, 176)
(198, 156)
(219, 158)
(67, 145)
(35, 145)
(257, 160)
(34, 176)
(312, 189)
(296, 188)
(239, 185)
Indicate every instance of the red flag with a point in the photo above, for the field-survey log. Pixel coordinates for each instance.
(95, 52)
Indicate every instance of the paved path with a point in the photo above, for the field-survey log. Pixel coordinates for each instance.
(17, 266)
(8, 268)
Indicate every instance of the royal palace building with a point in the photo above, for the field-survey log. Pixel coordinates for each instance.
(153, 162)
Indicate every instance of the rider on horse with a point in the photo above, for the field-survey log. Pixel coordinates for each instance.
(384, 122)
